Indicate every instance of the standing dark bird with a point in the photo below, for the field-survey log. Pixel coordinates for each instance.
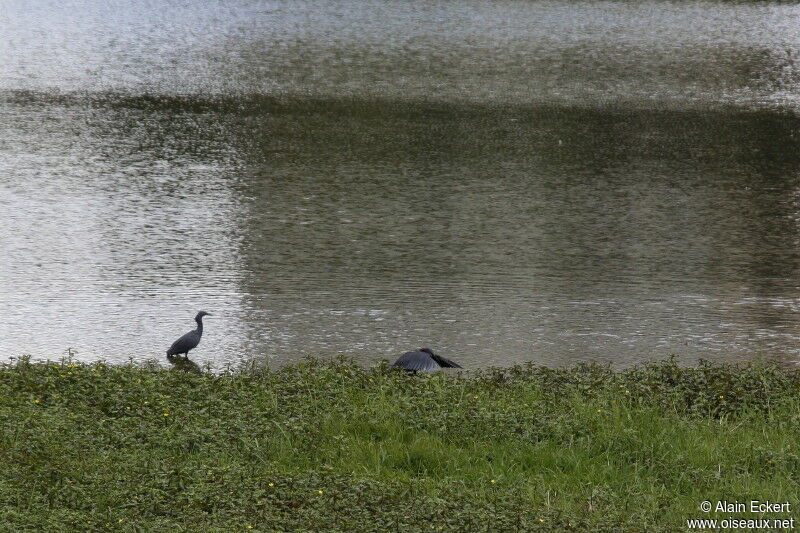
(425, 360)
(188, 341)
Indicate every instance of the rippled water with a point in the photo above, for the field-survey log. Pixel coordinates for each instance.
(503, 181)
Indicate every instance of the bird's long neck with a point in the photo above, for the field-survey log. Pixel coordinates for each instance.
(199, 321)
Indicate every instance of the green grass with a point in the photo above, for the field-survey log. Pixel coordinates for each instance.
(336, 447)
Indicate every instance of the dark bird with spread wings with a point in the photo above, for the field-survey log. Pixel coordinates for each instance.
(424, 360)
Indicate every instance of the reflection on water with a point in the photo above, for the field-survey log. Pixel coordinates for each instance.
(503, 181)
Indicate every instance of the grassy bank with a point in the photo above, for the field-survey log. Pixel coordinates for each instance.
(334, 447)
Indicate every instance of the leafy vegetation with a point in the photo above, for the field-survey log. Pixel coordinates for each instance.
(331, 446)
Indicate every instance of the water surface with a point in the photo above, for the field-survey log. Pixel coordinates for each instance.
(502, 181)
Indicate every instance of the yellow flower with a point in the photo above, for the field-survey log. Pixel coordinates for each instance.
(36, 401)
(249, 526)
(166, 414)
(319, 491)
(721, 396)
(272, 484)
(493, 481)
(121, 520)
(476, 396)
(627, 391)
(541, 520)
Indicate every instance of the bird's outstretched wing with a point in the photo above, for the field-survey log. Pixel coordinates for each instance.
(417, 361)
(445, 362)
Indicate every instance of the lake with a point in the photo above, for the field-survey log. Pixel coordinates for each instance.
(501, 181)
